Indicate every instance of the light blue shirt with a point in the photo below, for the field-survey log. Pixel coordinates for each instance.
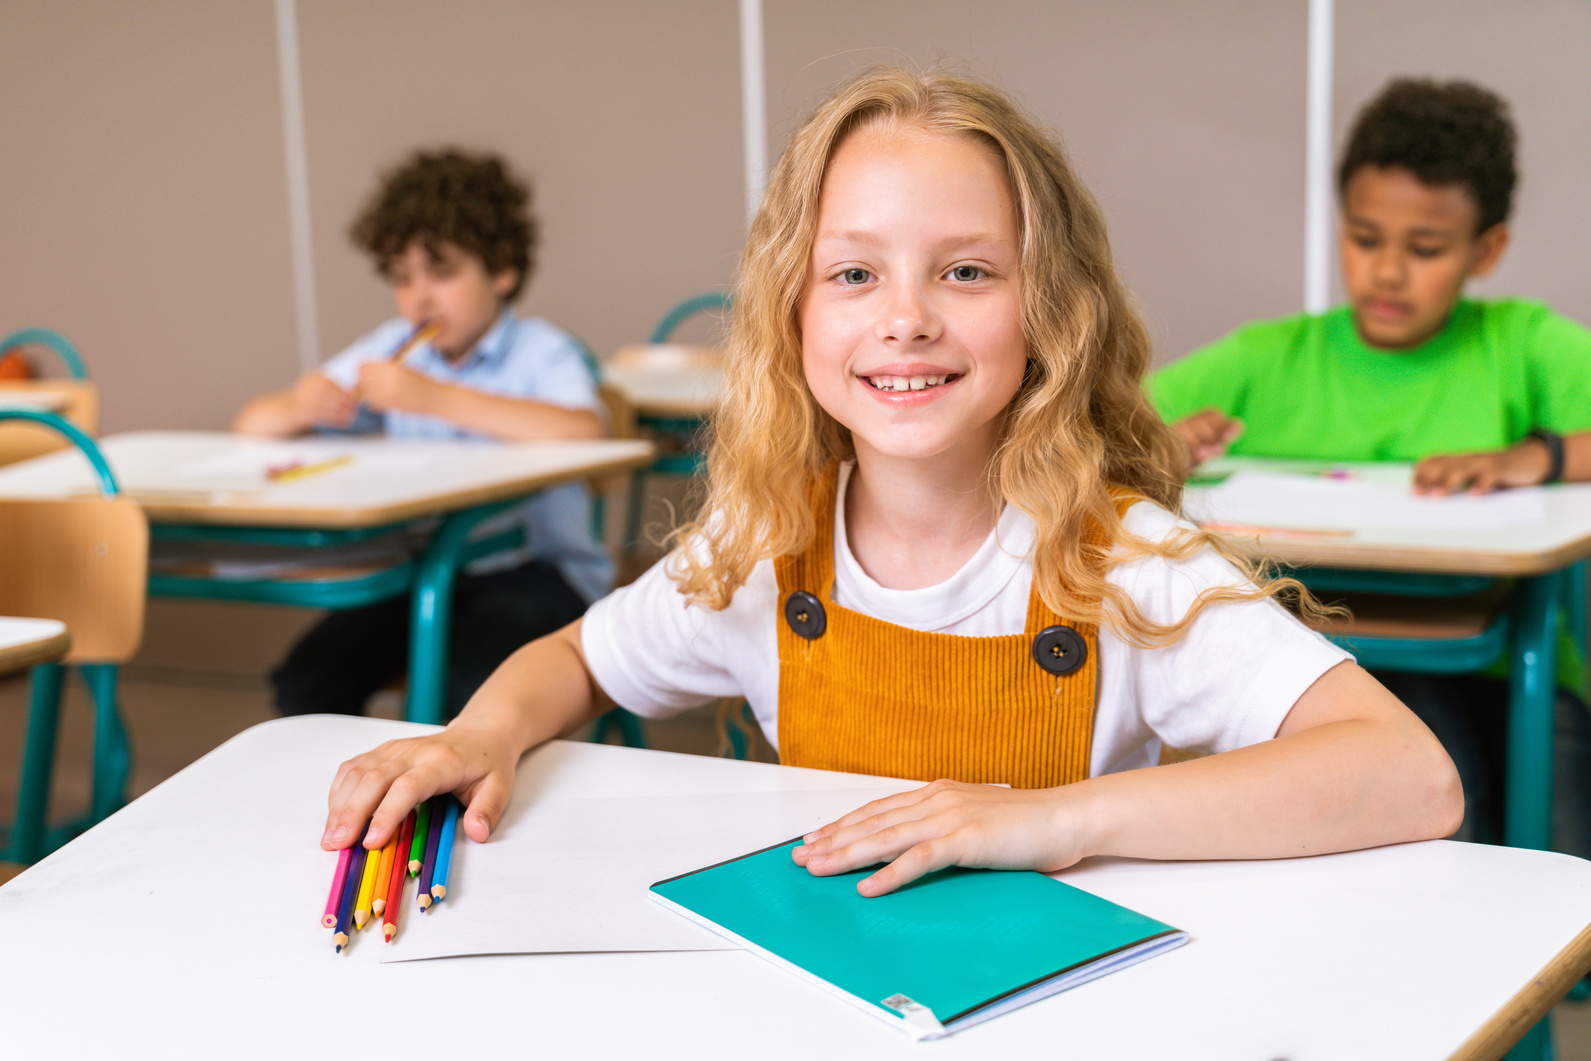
(517, 358)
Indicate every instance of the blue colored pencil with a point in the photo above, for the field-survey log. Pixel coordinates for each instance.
(444, 850)
(345, 911)
(428, 868)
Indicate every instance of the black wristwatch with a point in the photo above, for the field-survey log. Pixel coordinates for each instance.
(1554, 443)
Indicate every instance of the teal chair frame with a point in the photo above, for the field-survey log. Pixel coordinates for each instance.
(48, 338)
(702, 303)
(30, 837)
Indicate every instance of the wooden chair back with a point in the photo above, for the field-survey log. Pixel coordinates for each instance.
(82, 561)
(20, 440)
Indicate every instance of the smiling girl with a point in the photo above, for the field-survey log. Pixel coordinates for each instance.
(940, 544)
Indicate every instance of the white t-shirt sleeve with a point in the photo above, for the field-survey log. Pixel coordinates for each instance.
(1229, 681)
(656, 656)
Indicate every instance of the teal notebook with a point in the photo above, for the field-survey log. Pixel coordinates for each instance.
(954, 948)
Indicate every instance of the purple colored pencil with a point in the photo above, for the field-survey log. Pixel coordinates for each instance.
(428, 868)
(345, 912)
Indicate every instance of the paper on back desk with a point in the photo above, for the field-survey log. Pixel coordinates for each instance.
(571, 875)
(1271, 499)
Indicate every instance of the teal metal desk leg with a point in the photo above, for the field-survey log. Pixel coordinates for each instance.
(1531, 699)
(432, 610)
(33, 794)
(112, 758)
(1532, 696)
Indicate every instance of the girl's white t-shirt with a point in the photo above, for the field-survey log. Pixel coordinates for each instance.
(1228, 682)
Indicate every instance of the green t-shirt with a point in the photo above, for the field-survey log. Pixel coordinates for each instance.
(1307, 387)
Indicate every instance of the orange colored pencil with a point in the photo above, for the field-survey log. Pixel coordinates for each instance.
(378, 895)
(423, 333)
(389, 927)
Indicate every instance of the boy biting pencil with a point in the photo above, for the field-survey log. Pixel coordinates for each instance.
(452, 234)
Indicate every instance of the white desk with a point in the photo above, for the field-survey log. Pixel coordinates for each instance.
(203, 485)
(217, 478)
(666, 380)
(187, 925)
(26, 642)
(1535, 551)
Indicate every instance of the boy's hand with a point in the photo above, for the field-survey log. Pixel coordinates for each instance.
(1525, 464)
(944, 824)
(384, 385)
(383, 785)
(316, 401)
(1208, 433)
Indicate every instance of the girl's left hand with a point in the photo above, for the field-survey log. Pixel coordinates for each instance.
(948, 823)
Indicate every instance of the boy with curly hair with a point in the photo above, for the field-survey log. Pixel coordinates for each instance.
(1479, 392)
(452, 234)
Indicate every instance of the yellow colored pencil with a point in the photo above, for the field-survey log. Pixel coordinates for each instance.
(299, 471)
(378, 897)
(367, 889)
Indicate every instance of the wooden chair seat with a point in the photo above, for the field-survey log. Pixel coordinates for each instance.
(1382, 615)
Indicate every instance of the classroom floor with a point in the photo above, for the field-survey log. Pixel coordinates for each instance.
(175, 717)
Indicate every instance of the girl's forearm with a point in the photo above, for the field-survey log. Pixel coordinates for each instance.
(540, 692)
(1336, 787)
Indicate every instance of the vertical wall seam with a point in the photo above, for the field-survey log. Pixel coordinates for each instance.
(290, 81)
(1317, 158)
(753, 103)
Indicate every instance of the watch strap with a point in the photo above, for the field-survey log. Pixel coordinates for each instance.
(1554, 443)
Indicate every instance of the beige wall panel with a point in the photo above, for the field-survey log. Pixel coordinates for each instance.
(1537, 56)
(143, 203)
(624, 113)
(1186, 120)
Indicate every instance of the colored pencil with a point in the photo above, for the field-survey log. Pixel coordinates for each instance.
(367, 887)
(338, 879)
(444, 850)
(428, 869)
(297, 470)
(378, 895)
(389, 926)
(345, 912)
(423, 332)
(422, 827)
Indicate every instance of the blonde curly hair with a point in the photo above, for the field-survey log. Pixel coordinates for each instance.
(1078, 427)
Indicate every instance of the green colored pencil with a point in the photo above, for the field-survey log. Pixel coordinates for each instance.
(422, 826)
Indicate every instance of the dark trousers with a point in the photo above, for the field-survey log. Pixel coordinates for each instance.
(1469, 715)
(349, 655)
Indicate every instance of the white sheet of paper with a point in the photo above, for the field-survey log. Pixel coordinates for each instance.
(571, 875)
(1272, 499)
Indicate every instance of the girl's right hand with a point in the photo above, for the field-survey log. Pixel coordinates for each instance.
(384, 784)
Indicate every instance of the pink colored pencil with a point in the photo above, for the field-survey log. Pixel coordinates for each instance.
(340, 877)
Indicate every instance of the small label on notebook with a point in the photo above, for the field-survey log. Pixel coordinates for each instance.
(920, 1020)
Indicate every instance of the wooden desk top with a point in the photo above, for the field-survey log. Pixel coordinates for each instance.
(29, 642)
(221, 478)
(1560, 536)
(205, 894)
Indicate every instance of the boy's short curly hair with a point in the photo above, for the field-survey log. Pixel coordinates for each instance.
(450, 196)
(1452, 132)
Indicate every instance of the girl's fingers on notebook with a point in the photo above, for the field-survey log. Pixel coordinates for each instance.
(946, 824)
(484, 803)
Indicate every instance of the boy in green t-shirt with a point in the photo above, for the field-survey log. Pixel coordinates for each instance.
(1480, 393)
